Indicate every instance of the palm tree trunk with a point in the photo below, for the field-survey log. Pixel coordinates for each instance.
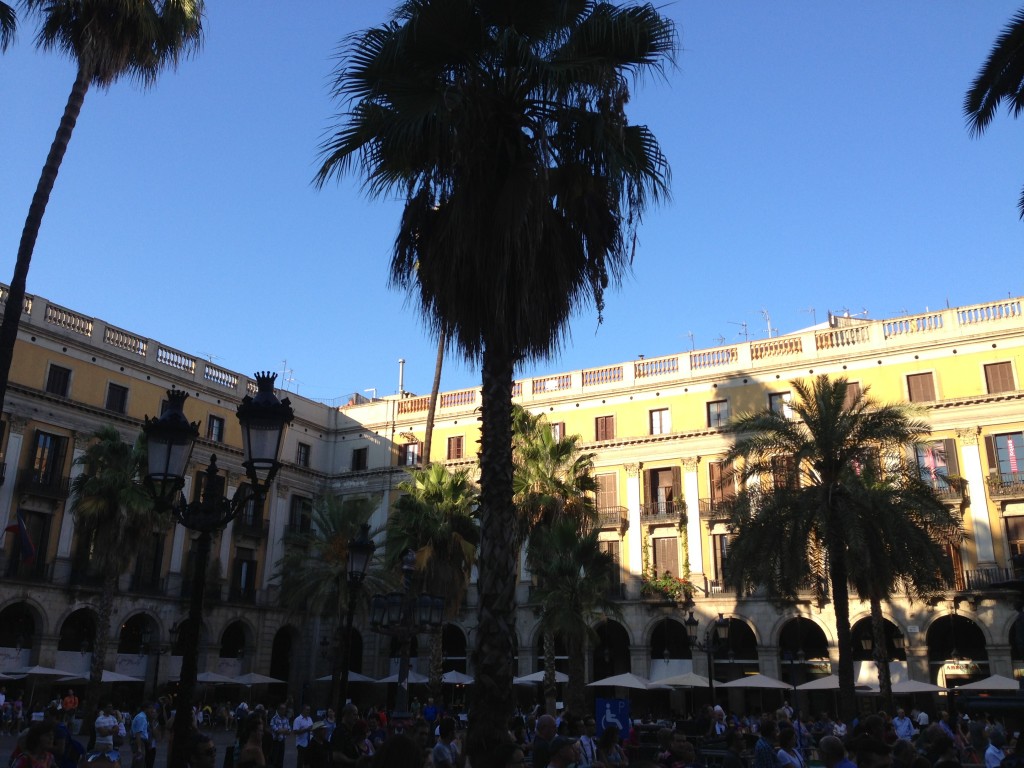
(34, 220)
(493, 699)
(437, 669)
(881, 653)
(577, 672)
(550, 686)
(844, 637)
(90, 697)
(428, 437)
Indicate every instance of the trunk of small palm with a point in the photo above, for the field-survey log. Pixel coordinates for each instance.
(880, 651)
(493, 701)
(574, 698)
(90, 697)
(436, 669)
(550, 668)
(844, 637)
(33, 222)
(428, 437)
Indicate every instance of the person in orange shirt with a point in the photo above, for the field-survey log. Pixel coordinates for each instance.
(69, 704)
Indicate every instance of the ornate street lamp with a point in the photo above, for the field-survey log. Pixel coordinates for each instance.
(169, 439)
(360, 552)
(403, 615)
(712, 642)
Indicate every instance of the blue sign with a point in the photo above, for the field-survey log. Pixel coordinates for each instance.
(612, 712)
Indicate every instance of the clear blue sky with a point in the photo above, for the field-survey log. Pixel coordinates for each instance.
(819, 160)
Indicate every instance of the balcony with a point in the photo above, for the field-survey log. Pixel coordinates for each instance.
(30, 481)
(239, 594)
(254, 529)
(1006, 486)
(711, 510)
(616, 591)
(148, 585)
(982, 579)
(613, 518)
(663, 513)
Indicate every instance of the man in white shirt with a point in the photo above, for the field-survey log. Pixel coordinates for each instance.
(588, 742)
(301, 728)
(106, 727)
(903, 725)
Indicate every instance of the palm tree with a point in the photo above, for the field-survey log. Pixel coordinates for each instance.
(573, 575)
(436, 518)
(797, 530)
(1001, 78)
(911, 529)
(114, 515)
(503, 126)
(8, 23)
(314, 568)
(107, 40)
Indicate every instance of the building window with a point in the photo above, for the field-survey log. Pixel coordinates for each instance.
(454, 448)
(558, 430)
(921, 387)
(149, 563)
(778, 402)
(243, 582)
(999, 378)
(718, 413)
(852, 394)
(300, 514)
(604, 428)
(215, 429)
(719, 552)
(665, 556)
(302, 451)
(58, 380)
(409, 454)
(27, 557)
(117, 398)
(1006, 456)
(723, 481)
(360, 458)
(660, 421)
(784, 473)
(662, 489)
(937, 462)
(48, 458)
(1015, 534)
(610, 548)
(607, 491)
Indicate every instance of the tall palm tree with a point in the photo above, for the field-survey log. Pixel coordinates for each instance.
(573, 575)
(108, 40)
(911, 530)
(436, 518)
(1001, 78)
(502, 124)
(314, 568)
(114, 516)
(797, 530)
(8, 23)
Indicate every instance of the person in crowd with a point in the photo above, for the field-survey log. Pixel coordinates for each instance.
(378, 733)
(903, 725)
(788, 755)
(833, 753)
(870, 752)
(994, 754)
(301, 727)
(764, 750)
(399, 751)
(733, 750)
(430, 712)
(330, 723)
(250, 743)
(609, 751)
(509, 754)
(903, 754)
(562, 752)
(343, 747)
(588, 741)
(280, 727)
(442, 756)
(105, 728)
(318, 753)
(202, 752)
(361, 736)
(143, 738)
(541, 748)
(37, 750)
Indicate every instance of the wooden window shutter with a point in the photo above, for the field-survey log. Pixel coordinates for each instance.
(952, 464)
(677, 484)
(990, 454)
(648, 485)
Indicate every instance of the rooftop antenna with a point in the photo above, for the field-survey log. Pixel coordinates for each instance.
(690, 334)
(743, 329)
(720, 339)
(373, 390)
(287, 376)
(814, 315)
(768, 320)
(210, 357)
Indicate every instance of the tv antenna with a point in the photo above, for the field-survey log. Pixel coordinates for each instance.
(720, 339)
(768, 320)
(814, 315)
(690, 335)
(287, 375)
(743, 329)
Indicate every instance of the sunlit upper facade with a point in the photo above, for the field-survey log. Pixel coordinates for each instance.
(664, 498)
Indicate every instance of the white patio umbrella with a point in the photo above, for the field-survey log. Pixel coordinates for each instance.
(255, 678)
(353, 677)
(993, 683)
(538, 677)
(414, 678)
(915, 686)
(829, 683)
(625, 680)
(36, 672)
(109, 676)
(211, 678)
(454, 677)
(688, 680)
(756, 681)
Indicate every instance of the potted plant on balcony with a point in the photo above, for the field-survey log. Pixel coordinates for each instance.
(666, 588)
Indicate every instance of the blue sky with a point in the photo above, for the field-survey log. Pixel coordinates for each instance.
(819, 155)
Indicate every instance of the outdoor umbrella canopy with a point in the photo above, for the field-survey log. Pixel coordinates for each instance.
(756, 681)
(456, 678)
(414, 678)
(213, 678)
(538, 677)
(829, 683)
(993, 683)
(688, 680)
(109, 676)
(626, 680)
(40, 672)
(353, 677)
(255, 678)
(911, 686)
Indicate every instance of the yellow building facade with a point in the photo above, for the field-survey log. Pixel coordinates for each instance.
(664, 497)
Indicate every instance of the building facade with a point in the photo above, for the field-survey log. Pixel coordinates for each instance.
(664, 497)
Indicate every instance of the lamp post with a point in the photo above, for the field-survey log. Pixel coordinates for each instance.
(711, 642)
(403, 615)
(169, 440)
(360, 552)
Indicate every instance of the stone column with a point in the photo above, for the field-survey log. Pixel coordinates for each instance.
(62, 565)
(636, 530)
(12, 457)
(970, 465)
(691, 494)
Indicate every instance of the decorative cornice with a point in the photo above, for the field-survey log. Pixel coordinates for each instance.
(633, 470)
(690, 463)
(967, 435)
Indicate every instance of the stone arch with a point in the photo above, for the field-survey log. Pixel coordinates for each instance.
(454, 648)
(22, 623)
(610, 655)
(802, 643)
(957, 650)
(739, 657)
(282, 653)
(862, 630)
(78, 631)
